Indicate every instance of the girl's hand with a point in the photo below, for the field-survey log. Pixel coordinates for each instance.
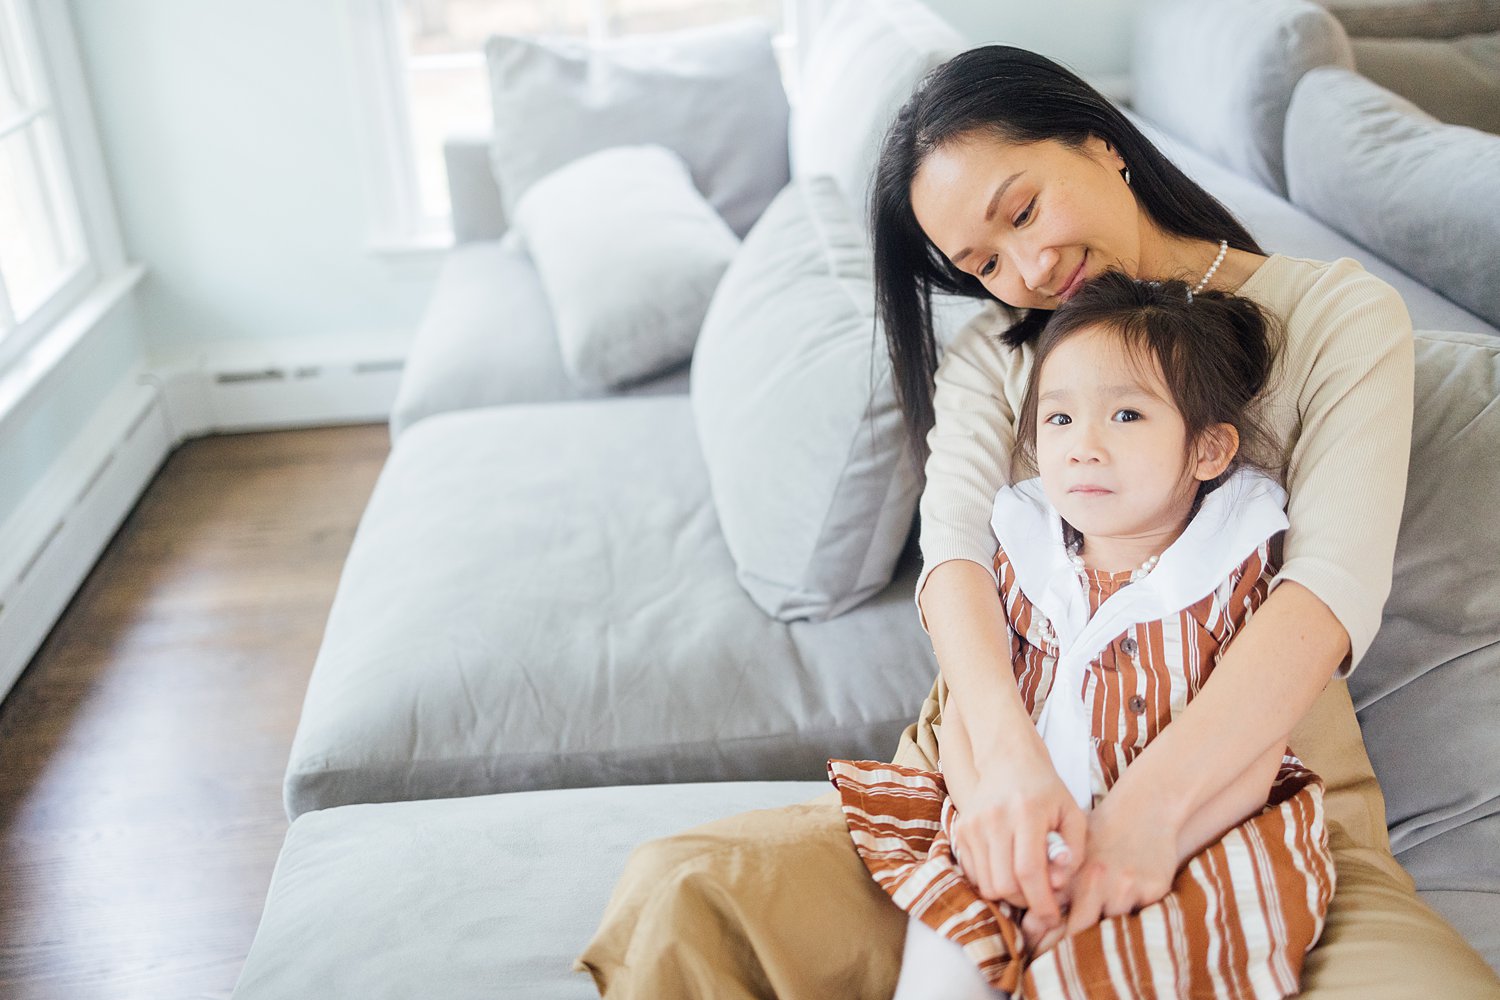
(1000, 836)
(1132, 860)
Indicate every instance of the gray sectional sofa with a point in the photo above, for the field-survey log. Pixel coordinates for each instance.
(544, 649)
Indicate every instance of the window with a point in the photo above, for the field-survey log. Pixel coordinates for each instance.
(434, 50)
(42, 245)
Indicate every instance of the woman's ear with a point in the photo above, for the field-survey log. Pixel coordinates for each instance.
(1105, 152)
(1214, 450)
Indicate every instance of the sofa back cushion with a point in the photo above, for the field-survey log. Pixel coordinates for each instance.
(796, 415)
(1428, 690)
(1219, 75)
(712, 95)
(1419, 193)
(865, 59)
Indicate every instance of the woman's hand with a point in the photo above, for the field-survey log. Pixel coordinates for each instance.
(1000, 837)
(1131, 860)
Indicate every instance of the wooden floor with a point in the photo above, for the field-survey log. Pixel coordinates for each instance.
(141, 753)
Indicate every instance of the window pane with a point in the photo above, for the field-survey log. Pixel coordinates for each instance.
(629, 17)
(33, 253)
(16, 94)
(444, 100)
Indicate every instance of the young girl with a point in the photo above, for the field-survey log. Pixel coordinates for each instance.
(1124, 570)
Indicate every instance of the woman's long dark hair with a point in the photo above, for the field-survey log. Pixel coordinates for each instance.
(1015, 96)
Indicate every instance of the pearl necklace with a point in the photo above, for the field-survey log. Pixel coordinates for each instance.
(1202, 284)
(1136, 575)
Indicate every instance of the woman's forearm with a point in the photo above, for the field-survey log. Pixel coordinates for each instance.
(971, 639)
(1267, 680)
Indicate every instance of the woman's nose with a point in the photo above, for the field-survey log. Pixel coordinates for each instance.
(1036, 268)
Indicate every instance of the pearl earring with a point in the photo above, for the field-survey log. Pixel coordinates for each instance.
(1127, 176)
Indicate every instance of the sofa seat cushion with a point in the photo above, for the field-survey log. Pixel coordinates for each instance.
(487, 338)
(540, 596)
(465, 899)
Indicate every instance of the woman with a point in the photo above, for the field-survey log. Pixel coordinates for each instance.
(1008, 179)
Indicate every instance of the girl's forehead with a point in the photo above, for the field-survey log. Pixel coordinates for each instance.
(1099, 361)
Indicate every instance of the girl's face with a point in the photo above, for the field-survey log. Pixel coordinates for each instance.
(1112, 447)
(1062, 215)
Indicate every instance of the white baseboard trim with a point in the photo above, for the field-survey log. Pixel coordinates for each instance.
(52, 540)
(280, 384)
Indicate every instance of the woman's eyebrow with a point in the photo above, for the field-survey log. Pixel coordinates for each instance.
(989, 211)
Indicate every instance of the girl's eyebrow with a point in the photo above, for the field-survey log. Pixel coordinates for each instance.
(989, 211)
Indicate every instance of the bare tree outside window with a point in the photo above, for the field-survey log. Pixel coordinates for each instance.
(445, 73)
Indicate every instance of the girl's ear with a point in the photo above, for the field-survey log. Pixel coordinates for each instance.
(1214, 450)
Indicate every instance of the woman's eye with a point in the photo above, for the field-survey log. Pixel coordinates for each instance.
(1059, 419)
(1126, 416)
(988, 268)
(1026, 214)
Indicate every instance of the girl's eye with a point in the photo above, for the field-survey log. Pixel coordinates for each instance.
(1059, 419)
(1026, 214)
(1127, 416)
(987, 268)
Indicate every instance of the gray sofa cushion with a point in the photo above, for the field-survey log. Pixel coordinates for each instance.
(464, 899)
(1421, 193)
(1280, 227)
(1456, 80)
(1220, 75)
(711, 94)
(630, 255)
(863, 61)
(792, 396)
(540, 596)
(1428, 691)
(1449, 870)
(487, 338)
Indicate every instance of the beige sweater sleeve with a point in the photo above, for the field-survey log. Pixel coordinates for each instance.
(979, 384)
(1341, 407)
(1347, 373)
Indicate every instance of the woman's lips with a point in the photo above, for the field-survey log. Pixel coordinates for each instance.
(1076, 280)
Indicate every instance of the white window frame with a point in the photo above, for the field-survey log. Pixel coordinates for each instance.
(397, 224)
(48, 38)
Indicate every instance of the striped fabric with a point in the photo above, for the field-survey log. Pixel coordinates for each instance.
(1240, 915)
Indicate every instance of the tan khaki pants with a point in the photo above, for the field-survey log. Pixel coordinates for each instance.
(777, 904)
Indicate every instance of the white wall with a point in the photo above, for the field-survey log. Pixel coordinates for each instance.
(1091, 37)
(230, 135)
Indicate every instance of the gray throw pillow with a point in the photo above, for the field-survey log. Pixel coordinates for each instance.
(1219, 75)
(712, 95)
(792, 397)
(629, 254)
(1421, 194)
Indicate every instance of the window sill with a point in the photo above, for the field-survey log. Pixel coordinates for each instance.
(23, 379)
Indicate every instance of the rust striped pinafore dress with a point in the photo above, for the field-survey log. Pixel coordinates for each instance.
(1242, 913)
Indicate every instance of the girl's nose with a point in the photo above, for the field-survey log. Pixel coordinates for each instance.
(1086, 449)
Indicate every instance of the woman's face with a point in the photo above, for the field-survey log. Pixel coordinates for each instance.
(1063, 214)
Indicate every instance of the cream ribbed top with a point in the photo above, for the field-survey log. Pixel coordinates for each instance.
(1340, 408)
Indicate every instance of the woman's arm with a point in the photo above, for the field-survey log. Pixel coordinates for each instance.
(996, 767)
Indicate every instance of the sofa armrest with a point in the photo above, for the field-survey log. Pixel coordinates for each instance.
(477, 212)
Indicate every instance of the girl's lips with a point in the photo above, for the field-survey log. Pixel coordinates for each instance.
(1077, 279)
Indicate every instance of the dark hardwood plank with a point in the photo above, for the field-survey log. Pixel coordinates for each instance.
(141, 752)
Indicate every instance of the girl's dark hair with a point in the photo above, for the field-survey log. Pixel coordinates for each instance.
(1015, 96)
(1216, 352)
